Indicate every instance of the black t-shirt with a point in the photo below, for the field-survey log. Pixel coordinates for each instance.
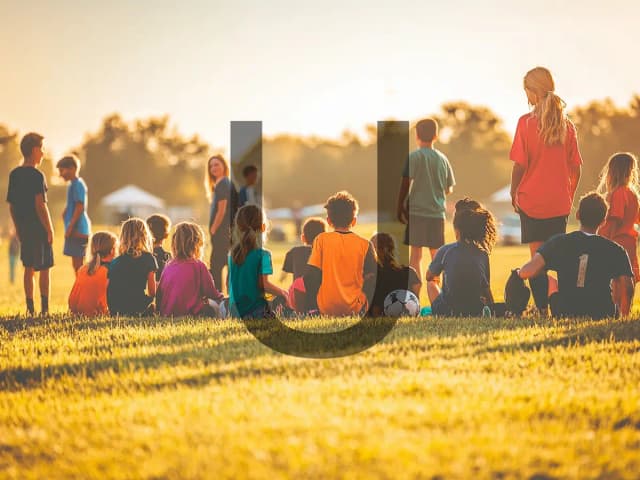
(128, 282)
(25, 183)
(295, 261)
(467, 276)
(225, 190)
(585, 264)
(389, 279)
(162, 258)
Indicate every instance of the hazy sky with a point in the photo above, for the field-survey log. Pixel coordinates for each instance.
(302, 67)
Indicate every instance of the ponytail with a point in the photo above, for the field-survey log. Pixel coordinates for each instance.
(248, 224)
(102, 245)
(94, 264)
(553, 120)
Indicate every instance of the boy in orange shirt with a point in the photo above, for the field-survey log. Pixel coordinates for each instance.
(342, 265)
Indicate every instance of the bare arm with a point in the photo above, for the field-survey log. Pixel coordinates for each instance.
(217, 221)
(402, 211)
(622, 293)
(431, 276)
(269, 287)
(45, 218)
(575, 172)
(13, 219)
(77, 211)
(533, 268)
(151, 284)
(516, 177)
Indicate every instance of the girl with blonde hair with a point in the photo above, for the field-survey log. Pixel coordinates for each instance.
(89, 294)
(132, 280)
(186, 286)
(546, 170)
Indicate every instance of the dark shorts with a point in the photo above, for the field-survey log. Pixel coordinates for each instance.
(35, 250)
(564, 307)
(440, 308)
(424, 232)
(75, 247)
(541, 230)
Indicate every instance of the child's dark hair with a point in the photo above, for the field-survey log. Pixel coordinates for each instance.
(159, 225)
(476, 226)
(246, 231)
(248, 170)
(385, 248)
(592, 210)
(342, 208)
(29, 142)
(468, 204)
(312, 228)
(69, 161)
(427, 129)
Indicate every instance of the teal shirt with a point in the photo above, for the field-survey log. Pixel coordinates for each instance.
(244, 294)
(432, 177)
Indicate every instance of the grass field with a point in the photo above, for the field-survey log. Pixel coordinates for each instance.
(438, 398)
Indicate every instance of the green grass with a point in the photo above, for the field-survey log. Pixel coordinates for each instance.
(438, 398)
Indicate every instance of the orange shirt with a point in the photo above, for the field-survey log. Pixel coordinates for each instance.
(622, 215)
(89, 294)
(344, 258)
(545, 190)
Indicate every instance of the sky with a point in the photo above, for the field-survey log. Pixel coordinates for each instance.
(310, 68)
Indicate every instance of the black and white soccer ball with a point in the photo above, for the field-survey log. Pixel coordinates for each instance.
(401, 303)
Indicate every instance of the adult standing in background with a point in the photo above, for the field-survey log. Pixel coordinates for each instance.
(224, 201)
(546, 170)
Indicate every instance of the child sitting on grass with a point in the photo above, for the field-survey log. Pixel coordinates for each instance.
(89, 294)
(133, 272)
(250, 266)
(295, 261)
(186, 286)
(465, 263)
(340, 263)
(390, 275)
(159, 226)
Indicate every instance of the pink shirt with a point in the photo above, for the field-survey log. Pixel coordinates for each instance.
(183, 286)
(545, 190)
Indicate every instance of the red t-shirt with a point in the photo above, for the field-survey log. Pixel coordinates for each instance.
(622, 215)
(545, 190)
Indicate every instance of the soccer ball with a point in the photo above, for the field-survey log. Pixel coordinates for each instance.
(401, 303)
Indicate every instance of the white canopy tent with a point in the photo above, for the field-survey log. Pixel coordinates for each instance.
(131, 201)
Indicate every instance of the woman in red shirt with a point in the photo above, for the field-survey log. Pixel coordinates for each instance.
(546, 170)
(619, 183)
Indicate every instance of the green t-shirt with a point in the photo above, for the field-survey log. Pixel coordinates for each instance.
(432, 177)
(244, 294)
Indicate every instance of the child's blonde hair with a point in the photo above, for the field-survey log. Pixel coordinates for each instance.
(187, 241)
(549, 107)
(620, 171)
(102, 245)
(246, 232)
(135, 238)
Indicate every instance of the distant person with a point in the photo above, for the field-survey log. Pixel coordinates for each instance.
(27, 197)
(249, 193)
(391, 275)
(77, 225)
(14, 253)
(342, 265)
(186, 287)
(224, 200)
(619, 184)
(295, 261)
(132, 275)
(297, 217)
(546, 170)
(159, 226)
(595, 278)
(427, 179)
(466, 287)
(250, 266)
(89, 294)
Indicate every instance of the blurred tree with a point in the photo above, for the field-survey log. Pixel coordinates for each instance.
(9, 159)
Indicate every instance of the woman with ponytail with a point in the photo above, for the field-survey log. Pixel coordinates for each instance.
(546, 170)
(89, 294)
(250, 266)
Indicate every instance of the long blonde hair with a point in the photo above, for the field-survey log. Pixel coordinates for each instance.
(102, 245)
(187, 241)
(548, 107)
(135, 238)
(210, 180)
(620, 171)
(247, 232)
